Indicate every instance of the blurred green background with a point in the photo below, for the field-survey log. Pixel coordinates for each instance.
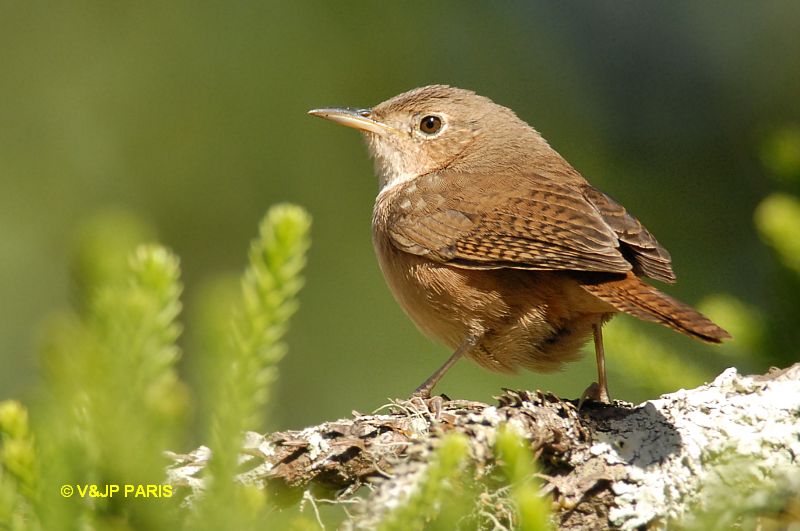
(191, 118)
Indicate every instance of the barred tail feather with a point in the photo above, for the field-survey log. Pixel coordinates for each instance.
(635, 297)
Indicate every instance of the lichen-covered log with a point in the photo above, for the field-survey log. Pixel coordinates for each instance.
(605, 466)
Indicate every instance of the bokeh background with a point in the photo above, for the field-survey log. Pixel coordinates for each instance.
(184, 121)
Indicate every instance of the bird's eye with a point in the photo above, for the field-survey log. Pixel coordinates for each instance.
(430, 124)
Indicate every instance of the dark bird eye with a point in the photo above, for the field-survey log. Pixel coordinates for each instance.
(430, 124)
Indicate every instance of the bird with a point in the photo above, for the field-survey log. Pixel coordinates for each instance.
(494, 245)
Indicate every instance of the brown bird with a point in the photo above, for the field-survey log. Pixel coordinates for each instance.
(495, 245)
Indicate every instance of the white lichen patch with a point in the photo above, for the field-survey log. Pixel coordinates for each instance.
(677, 445)
(187, 471)
(317, 445)
(256, 451)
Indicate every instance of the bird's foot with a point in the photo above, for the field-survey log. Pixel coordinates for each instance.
(594, 392)
(422, 392)
(433, 404)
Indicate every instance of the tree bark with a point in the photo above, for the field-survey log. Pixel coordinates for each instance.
(605, 465)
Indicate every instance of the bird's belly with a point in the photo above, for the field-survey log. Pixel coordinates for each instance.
(431, 294)
(532, 319)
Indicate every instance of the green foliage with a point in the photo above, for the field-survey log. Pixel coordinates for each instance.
(116, 400)
(113, 401)
(103, 244)
(243, 366)
(520, 470)
(17, 466)
(444, 496)
(17, 454)
(269, 291)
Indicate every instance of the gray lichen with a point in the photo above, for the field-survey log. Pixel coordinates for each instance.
(750, 422)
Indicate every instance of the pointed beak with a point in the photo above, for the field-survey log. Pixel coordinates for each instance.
(355, 118)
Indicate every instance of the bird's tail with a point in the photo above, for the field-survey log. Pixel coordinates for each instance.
(635, 297)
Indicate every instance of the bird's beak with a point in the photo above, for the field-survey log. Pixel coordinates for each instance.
(355, 118)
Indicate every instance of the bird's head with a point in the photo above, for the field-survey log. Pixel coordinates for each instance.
(439, 127)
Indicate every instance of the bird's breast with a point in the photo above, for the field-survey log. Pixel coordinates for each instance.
(446, 302)
(426, 290)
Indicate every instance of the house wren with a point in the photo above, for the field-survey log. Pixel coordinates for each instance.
(495, 245)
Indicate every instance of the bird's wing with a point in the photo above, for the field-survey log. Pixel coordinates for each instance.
(640, 247)
(528, 222)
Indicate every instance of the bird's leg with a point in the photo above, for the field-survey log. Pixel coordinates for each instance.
(602, 383)
(424, 390)
(597, 391)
